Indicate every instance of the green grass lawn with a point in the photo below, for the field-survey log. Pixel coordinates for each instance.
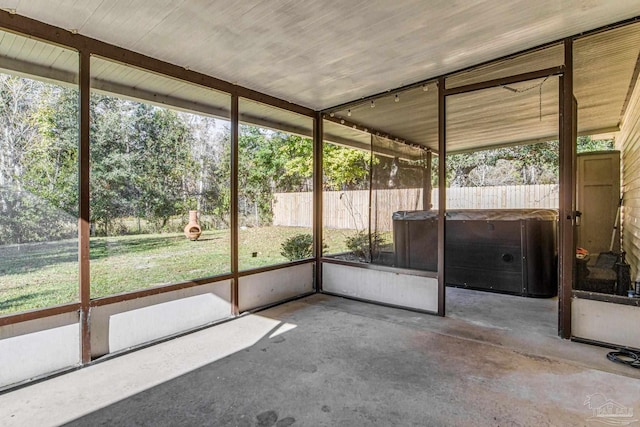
(45, 274)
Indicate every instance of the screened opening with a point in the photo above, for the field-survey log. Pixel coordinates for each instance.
(159, 180)
(502, 197)
(379, 177)
(275, 186)
(39, 108)
(606, 87)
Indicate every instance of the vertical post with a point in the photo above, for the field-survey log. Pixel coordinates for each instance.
(83, 217)
(317, 198)
(234, 204)
(426, 183)
(442, 193)
(567, 155)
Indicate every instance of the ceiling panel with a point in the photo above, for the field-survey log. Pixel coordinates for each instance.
(320, 54)
(132, 83)
(552, 56)
(35, 59)
(604, 67)
(500, 116)
(266, 116)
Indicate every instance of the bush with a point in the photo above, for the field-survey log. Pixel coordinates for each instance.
(299, 246)
(359, 245)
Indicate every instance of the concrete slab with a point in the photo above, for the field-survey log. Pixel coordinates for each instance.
(329, 361)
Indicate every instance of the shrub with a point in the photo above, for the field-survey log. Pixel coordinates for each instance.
(299, 246)
(359, 245)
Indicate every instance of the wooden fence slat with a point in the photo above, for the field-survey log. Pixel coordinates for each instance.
(350, 209)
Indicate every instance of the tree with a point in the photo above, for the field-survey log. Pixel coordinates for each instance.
(345, 168)
(163, 162)
(38, 161)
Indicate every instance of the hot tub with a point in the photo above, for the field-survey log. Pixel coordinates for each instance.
(511, 251)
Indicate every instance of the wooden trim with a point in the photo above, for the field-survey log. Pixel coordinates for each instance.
(632, 86)
(442, 194)
(502, 81)
(273, 267)
(62, 37)
(605, 28)
(84, 208)
(362, 128)
(426, 182)
(318, 187)
(567, 154)
(235, 239)
(24, 316)
(377, 267)
(127, 296)
(612, 299)
(604, 344)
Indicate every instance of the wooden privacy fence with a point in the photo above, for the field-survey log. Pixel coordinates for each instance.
(349, 209)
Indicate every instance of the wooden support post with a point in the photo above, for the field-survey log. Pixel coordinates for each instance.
(83, 217)
(442, 193)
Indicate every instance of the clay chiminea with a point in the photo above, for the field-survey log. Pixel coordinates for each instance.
(192, 230)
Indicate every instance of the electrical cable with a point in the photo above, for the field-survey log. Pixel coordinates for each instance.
(625, 357)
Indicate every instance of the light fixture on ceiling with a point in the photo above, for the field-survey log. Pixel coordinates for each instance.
(341, 121)
(332, 114)
(373, 104)
(425, 88)
(349, 112)
(397, 98)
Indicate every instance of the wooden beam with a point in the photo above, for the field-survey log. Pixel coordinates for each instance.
(442, 194)
(567, 241)
(234, 205)
(502, 81)
(426, 183)
(362, 128)
(317, 198)
(83, 219)
(39, 313)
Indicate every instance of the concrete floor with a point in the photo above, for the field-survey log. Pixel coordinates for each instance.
(326, 361)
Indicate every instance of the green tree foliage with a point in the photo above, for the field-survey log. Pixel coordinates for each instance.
(516, 165)
(345, 168)
(52, 158)
(269, 162)
(37, 160)
(141, 163)
(587, 144)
